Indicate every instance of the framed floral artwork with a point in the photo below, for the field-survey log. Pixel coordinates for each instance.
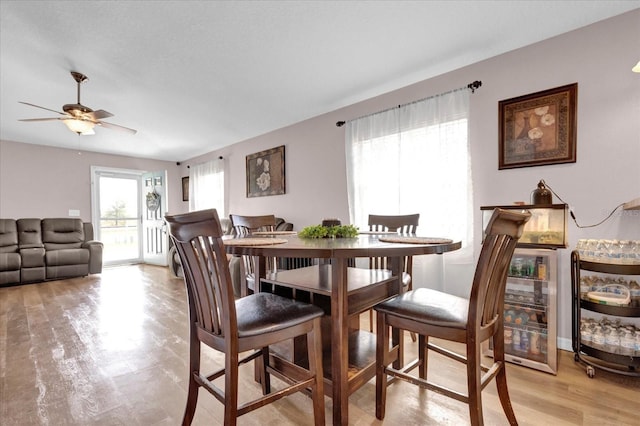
(265, 173)
(185, 188)
(539, 128)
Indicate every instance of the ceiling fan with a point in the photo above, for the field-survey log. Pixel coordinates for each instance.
(79, 118)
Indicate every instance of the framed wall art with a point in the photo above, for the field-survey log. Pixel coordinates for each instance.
(539, 128)
(185, 188)
(265, 173)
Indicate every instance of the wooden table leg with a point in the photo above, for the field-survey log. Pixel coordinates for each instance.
(259, 272)
(397, 336)
(340, 342)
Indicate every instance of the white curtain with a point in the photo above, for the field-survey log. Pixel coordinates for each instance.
(415, 159)
(206, 186)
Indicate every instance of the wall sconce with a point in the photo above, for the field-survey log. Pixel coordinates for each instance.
(636, 68)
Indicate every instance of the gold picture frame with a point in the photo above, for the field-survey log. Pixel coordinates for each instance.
(265, 173)
(538, 129)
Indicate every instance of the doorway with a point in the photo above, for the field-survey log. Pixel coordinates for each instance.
(126, 218)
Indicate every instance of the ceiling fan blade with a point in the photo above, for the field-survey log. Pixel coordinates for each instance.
(41, 107)
(42, 119)
(97, 115)
(116, 127)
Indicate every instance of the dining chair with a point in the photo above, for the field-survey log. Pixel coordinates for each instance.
(231, 326)
(246, 225)
(403, 224)
(431, 313)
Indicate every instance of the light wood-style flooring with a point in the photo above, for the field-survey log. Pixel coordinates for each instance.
(112, 349)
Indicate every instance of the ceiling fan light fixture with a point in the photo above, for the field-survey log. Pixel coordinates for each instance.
(81, 127)
(79, 118)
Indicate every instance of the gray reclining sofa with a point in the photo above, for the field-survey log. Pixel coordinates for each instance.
(33, 250)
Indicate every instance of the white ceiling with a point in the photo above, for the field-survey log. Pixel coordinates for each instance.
(195, 76)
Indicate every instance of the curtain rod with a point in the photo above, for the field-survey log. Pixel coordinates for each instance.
(471, 86)
(189, 166)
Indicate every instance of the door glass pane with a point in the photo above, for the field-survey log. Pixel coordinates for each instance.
(119, 218)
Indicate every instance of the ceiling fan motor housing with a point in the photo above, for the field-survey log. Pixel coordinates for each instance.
(76, 109)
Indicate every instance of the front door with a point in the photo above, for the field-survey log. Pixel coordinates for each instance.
(154, 207)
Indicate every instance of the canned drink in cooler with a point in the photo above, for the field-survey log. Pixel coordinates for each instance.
(508, 339)
(535, 343)
(524, 342)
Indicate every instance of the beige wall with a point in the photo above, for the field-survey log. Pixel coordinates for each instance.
(607, 172)
(598, 57)
(40, 181)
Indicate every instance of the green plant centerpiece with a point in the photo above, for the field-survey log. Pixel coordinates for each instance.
(338, 231)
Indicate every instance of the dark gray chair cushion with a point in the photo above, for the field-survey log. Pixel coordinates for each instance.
(430, 307)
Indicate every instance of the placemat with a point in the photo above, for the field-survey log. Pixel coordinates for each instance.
(274, 233)
(254, 241)
(378, 232)
(414, 240)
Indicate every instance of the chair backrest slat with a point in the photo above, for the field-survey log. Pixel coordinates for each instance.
(198, 240)
(486, 301)
(245, 225)
(404, 224)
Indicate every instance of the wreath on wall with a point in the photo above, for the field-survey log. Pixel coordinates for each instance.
(153, 201)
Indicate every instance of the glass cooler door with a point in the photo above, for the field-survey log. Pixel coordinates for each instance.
(530, 310)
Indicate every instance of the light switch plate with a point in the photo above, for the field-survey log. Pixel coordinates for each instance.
(74, 213)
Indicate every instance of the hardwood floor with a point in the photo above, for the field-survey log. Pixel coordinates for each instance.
(112, 350)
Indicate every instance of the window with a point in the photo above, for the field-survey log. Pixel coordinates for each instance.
(415, 159)
(206, 186)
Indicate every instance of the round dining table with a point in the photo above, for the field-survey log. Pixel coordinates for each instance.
(343, 291)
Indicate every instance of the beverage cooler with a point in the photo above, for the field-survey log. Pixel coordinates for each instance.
(530, 333)
(530, 301)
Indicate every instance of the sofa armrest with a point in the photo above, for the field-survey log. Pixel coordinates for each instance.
(282, 225)
(95, 256)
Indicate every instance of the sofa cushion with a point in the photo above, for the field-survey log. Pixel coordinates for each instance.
(8, 236)
(29, 233)
(10, 262)
(67, 271)
(62, 233)
(29, 275)
(9, 277)
(67, 257)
